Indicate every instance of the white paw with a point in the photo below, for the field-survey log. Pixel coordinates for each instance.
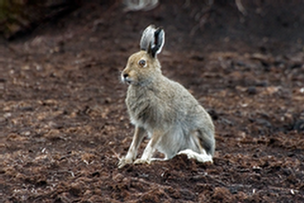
(194, 155)
(142, 161)
(123, 161)
(205, 158)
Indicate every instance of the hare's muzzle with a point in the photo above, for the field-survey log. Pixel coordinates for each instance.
(125, 78)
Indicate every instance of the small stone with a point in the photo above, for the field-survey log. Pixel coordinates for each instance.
(251, 90)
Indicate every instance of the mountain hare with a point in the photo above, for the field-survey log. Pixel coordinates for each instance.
(163, 109)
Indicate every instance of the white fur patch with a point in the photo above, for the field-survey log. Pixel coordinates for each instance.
(204, 157)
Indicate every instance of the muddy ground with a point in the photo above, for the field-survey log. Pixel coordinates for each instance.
(64, 122)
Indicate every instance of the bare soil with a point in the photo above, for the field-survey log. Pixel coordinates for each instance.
(64, 124)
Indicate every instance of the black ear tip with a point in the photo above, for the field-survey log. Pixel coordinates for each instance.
(158, 31)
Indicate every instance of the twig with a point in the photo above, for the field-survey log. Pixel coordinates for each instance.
(115, 154)
(240, 7)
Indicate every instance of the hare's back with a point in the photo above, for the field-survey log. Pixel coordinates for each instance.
(181, 95)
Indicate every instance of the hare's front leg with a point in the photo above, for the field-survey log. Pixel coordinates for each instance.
(150, 149)
(132, 152)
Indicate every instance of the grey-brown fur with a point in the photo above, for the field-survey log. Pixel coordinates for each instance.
(173, 119)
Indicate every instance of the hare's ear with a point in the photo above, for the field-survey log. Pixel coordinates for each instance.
(157, 43)
(152, 40)
(147, 37)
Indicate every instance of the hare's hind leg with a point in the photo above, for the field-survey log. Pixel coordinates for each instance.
(132, 152)
(202, 157)
(196, 150)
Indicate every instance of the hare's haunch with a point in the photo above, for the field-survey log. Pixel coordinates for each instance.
(163, 109)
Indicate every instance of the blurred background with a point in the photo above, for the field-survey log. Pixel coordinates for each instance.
(256, 23)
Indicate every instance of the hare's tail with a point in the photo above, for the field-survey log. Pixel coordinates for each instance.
(207, 141)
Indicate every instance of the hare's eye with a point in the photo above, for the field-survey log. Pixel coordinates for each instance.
(142, 63)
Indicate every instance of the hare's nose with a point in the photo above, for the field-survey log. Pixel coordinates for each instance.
(125, 75)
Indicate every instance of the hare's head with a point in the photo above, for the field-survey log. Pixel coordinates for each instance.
(143, 66)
